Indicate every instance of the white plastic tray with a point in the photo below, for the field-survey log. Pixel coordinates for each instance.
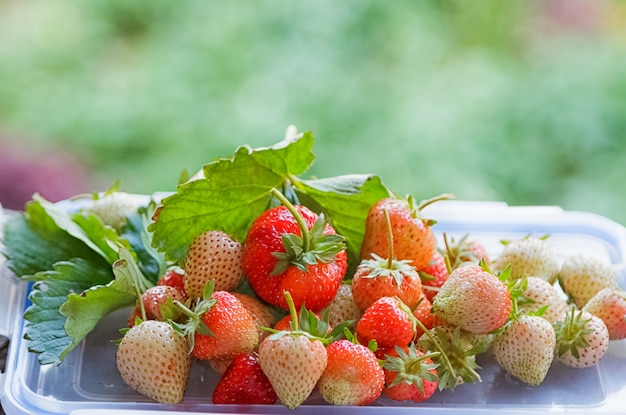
(87, 383)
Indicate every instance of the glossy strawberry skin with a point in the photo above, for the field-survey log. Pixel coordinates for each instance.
(316, 287)
(434, 275)
(353, 375)
(413, 238)
(244, 382)
(174, 277)
(234, 330)
(387, 323)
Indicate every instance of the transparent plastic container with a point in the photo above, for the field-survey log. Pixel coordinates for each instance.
(87, 382)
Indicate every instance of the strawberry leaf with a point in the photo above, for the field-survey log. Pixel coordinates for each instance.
(231, 195)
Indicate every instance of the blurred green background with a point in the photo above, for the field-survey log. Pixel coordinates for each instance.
(522, 100)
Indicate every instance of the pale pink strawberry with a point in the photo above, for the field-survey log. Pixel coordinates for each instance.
(213, 256)
(525, 348)
(473, 299)
(293, 363)
(154, 360)
(610, 305)
(582, 339)
(353, 375)
(540, 293)
(530, 256)
(343, 307)
(154, 298)
(583, 275)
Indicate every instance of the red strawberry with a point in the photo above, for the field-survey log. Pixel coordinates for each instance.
(434, 275)
(389, 322)
(353, 375)
(413, 239)
(423, 312)
(213, 255)
(610, 305)
(153, 359)
(219, 326)
(174, 277)
(290, 248)
(259, 311)
(244, 382)
(473, 299)
(410, 375)
(378, 277)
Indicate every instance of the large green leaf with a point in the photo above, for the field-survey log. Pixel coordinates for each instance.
(232, 194)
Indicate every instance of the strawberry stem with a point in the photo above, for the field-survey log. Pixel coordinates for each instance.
(390, 252)
(444, 196)
(292, 310)
(304, 229)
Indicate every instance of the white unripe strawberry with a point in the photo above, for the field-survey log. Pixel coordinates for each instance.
(582, 339)
(525, 348)
(530, 256)
(583, 275)
(540, 293)
(213, 255)
(113, 208)
(154, 360)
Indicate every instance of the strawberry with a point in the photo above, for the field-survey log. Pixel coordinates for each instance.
(113, 207)
(583, 275)
(376, 277)
(343, 308)
(525, 348)
(293, 360)
(153, 359)
(423, 312)
(244, 382)
(410, 374)
(582, 339)
(154, 298)
(434, 275)
(455, 351)
(413, 239)
(474, 299)
(290, 248)
(538, 293)
(219, 327)
(174, 277)
(610, 305)
(464, 251)
(213, 255)
(353, 375)
(259, 311)
(389, 322)
(529, 256)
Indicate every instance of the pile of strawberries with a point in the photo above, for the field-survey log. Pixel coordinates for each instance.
(281, 314)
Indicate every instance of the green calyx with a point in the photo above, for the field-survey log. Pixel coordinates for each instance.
(412, 367)
(396, 269)
(457, 357)
(307, 323)
(571, 333)
(312, 247)
(194, 323)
